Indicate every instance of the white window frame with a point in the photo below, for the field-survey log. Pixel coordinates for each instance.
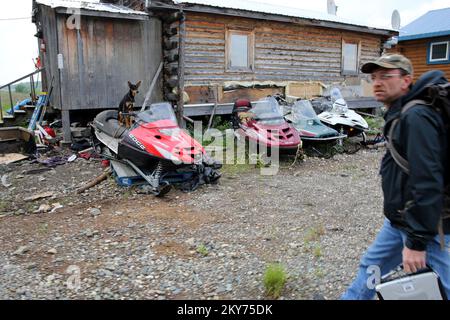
(358, 57)
(250, 50)
(431, 51)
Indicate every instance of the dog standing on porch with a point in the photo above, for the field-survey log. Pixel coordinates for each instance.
(126, 106)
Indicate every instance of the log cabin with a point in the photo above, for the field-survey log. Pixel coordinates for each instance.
(211, 52)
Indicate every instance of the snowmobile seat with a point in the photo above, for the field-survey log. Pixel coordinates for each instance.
(108, 122)
(241, 107)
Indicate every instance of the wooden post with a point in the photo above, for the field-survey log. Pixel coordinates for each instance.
(152, 86)
(66, 126)
(33, 90)
(216, 102)
(1, 109)
(10, 96)
(180, 89)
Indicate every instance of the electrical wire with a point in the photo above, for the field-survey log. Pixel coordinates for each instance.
(9, 19)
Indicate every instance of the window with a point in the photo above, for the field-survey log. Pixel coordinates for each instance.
(350, 58)
(239, 47)
(439, 51)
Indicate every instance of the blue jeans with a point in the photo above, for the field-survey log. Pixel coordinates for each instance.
(385, 254)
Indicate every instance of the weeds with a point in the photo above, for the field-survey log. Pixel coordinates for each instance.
(274, 280)
(43, 228)
(319, 273)
(314, 234)
(376, 124)
(202, 250)
(3, 206)
(317, 252)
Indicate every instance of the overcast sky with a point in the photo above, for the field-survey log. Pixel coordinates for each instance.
(19, 46)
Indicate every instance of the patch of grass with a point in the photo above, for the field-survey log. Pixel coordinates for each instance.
(233, 169)
(43, 228)
(202, 250)
(128, 193)
(319, 273)
(376, 124)
(314, 234)
(16, 97)
(3, 206)
(350, 167)
(274, 280)
(317, 252)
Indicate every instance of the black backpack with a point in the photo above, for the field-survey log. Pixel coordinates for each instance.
(436, 96)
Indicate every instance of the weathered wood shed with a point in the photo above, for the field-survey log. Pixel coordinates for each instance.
(212, 52)
(91, 50)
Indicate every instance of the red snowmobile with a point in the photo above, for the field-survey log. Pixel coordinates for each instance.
(156, 148)
(262, 122)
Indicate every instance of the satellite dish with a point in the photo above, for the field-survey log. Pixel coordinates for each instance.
(331, 7)
(395, 20)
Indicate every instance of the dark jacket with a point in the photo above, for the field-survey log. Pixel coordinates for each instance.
(413, 203)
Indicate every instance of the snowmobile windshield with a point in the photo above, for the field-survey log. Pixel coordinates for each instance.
(335, 94)
(267, 111)
(303, 110)
(158, 111)
(339, 104)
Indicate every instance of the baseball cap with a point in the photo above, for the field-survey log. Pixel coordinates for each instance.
(389, 61)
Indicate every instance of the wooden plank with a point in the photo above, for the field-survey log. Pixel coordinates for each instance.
(110, 62)
(181, 73)
(95, 13)
(100, 61)
(89, 53)
(302, 21)
(50, 59)
(11, 158)
(120, 77)
(64, 48)
(305, 90)
(200, 94)
(252, 94)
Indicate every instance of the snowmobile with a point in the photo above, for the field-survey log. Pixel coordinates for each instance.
(342, 119)
(303, 117)
(155, 147)
(262, 122)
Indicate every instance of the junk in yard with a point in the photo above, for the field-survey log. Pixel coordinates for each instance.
(263, 124)
(342, 119)
(305, 120)
(154, 147)
(17, 140)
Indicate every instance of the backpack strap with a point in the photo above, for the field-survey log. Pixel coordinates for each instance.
(404, 165)
(401, 161)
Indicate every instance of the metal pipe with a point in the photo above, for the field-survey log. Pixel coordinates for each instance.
(10, 96)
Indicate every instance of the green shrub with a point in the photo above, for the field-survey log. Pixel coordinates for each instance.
(274, 280)
(202, 250)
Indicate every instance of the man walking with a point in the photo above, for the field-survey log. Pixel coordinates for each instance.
(413, 202)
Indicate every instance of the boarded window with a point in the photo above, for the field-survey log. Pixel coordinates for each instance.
(239, 50)
(439, 51)
(350, 58)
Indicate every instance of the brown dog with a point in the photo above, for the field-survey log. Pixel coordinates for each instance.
(126, 106)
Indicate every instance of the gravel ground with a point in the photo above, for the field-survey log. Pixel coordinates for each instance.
(315, 218)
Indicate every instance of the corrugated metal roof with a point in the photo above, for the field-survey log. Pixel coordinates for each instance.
(278, 10)
(94, 5)
(432, 24)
